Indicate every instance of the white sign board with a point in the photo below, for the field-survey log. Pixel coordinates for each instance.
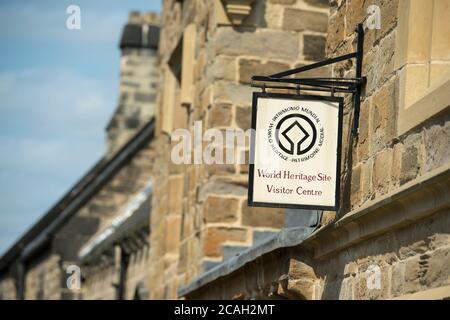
(295, 151)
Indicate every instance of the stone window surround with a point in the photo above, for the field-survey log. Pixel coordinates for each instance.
(416, 102)
(183, 62)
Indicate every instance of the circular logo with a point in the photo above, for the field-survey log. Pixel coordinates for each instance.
(295, 134)
(298, 134)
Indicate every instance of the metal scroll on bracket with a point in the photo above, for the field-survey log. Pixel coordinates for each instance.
(332, 85)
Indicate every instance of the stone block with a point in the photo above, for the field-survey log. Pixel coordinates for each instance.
(265, 43)
(228, 92)
(222, 68)
(412, 275)
(398, 279)
(220, 115)
(172, 234)
(410, 158)
(314, 47)
(336, 31)
(383, 118)
(214, 237)
(381, 177)
(252, 67)
(366, 180)
(436, 140)
(243, 117)
(262, 217)
(355, 189)
(283, 2)
(176, 190)
(437, 268)
(366, 287)
(318, 3)
(220, 209)
(302, 20)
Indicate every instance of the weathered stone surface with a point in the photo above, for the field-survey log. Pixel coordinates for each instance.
(222, 68)
(282, 1)
(322, 72)
(252, 67)
(413, 273)
(366, 285)
(318, 3)
(437, 268)
(379, 64)
(382, 172)
(262, 217)
(301, 20)
(221, 187)
(366, 180)
(173, 233)
(220, 115)
(175, 189)
(384, 106)
(266, 43)
(244, 117)
(355, 190)
(347, 289)
(398, 279)
(336, 31)
(314, 47)
(437, 149)
(214, 237)
(220, 209)
(410, 159)
(229, 92)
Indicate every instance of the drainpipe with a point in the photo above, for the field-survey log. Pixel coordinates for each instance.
(121, 260)
(20, 281)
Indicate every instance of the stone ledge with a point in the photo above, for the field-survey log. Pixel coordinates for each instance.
(413, 201)
(285, 238)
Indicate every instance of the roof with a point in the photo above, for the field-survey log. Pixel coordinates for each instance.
(140, 36)
(42, 231)
(134, 214)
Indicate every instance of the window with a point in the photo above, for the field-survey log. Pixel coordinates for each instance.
(423, 58)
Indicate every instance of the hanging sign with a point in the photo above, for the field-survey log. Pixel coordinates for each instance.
(295, 151)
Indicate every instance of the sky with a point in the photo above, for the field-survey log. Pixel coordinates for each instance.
(58, 89)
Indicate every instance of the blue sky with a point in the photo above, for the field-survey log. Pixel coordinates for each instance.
(58, 89)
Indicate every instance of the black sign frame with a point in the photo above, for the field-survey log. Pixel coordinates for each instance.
(251, 172)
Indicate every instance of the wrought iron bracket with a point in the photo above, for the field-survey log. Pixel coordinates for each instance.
(332, 85)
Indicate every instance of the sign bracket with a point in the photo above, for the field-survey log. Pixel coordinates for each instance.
(333, 85)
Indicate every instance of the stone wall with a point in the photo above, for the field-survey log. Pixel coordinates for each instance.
(200, 217)
(43, 279)
(106, 205)
(7, 289)
(382, 161)
(395, 218)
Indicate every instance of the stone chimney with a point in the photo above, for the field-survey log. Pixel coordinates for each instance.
(139, 78)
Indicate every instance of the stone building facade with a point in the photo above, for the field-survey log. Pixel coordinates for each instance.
(158, 229)
(209, 50)
(391, 236)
